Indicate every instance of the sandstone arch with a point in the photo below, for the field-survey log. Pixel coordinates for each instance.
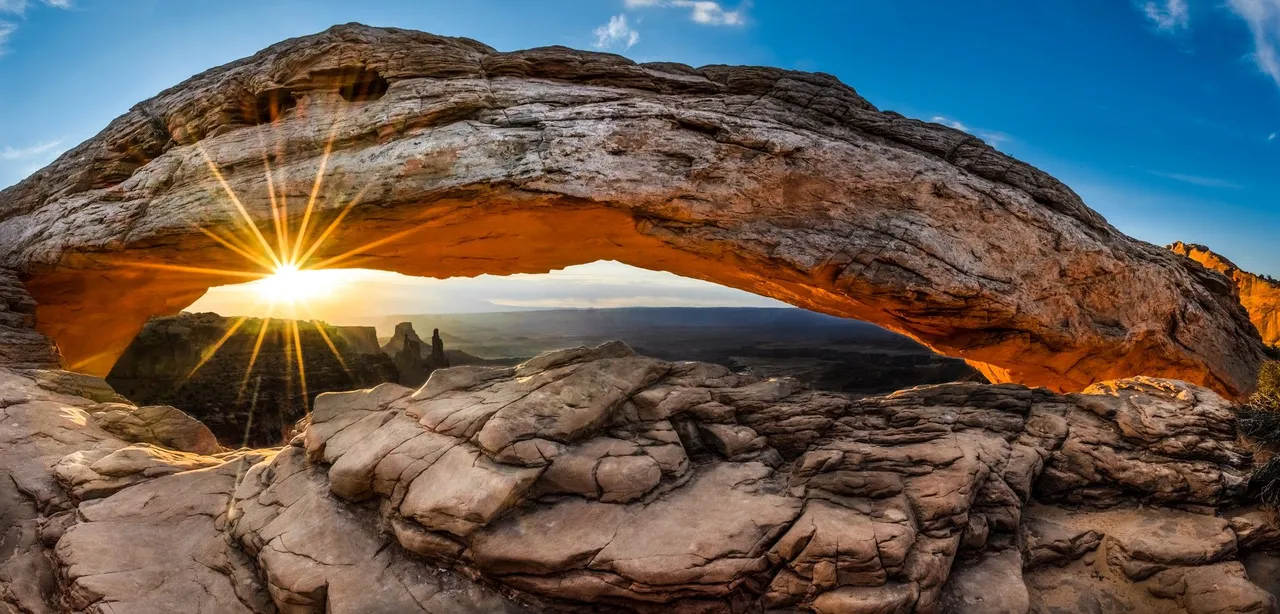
(782, 183)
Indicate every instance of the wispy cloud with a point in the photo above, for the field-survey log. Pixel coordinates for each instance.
(19, 8)
(1168, 15)
(616, 33)
(6, 30)
(1263, 18)
(25, 153)
(991, 137)
(1205, 182)
(1271, 137)
(700, 11)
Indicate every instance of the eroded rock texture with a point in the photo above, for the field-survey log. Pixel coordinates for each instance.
(594, 479)
(1260, 295)
(468, 160)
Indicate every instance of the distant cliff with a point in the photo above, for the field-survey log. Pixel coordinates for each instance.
(155, 369)
(1260, 295)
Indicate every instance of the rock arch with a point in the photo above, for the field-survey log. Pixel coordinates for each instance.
(475, 161)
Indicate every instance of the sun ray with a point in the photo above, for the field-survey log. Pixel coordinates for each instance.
(302, 368)
(75, 366)
(208, 354)
(247, 255)
(235, 200)
(332, 348)
(197, 270)
(253, 405)
(324, 236)
(315, 191)
(370, 245)
(253, 358)
(323, 335)
(280, 220)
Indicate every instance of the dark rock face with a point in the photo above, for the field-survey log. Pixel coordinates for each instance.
(21, 346)
(159, 368)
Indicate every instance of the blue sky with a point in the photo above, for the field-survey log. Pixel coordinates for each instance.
(1161, 114)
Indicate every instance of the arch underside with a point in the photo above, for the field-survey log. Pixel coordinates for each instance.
(784, 184)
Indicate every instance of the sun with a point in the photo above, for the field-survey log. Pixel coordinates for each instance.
(290, 285)
(289, 267)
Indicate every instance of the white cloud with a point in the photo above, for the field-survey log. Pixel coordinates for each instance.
(704, 12)
(1168, 15)
(18, 7)
(1263, 18)
(1271, 137)
(616, 33)
(1204, 182)
(711, 13)
(10, 153)
(992, 138)
(6, 30)
(938, 119)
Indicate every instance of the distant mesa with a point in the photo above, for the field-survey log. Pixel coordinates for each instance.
(1259, 294)
(414, 359)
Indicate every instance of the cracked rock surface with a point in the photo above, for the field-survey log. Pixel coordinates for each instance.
(597, 480)
(783, 183)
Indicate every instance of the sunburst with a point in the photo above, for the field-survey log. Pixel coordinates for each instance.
(278, 262)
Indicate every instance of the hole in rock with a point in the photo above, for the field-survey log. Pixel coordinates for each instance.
(249, 359)
(362, 85)
(270, 106)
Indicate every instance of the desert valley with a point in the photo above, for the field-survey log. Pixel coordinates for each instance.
(985, 398)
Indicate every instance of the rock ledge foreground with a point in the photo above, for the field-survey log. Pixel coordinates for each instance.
(596, 480)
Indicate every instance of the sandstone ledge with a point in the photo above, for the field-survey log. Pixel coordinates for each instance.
(598, 480)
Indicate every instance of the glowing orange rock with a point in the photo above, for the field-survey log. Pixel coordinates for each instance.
(1259, 295)
(468, 160)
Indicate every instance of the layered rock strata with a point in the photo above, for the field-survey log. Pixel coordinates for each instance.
(458, 159)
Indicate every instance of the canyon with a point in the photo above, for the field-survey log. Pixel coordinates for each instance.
(1102, 472)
